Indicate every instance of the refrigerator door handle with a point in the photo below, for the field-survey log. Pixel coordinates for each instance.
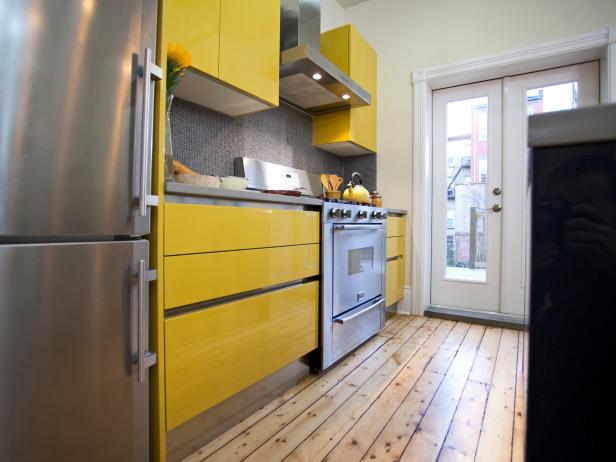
(145, 358)
(151, 72)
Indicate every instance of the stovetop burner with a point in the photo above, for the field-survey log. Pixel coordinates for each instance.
(342, 201)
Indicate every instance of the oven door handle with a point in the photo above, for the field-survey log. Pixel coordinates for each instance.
(358, 227)
(343, 319)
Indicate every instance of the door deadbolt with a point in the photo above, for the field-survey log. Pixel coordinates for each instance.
(497, 191)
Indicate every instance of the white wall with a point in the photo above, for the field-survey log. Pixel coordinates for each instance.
(415, 34)
(332, 15)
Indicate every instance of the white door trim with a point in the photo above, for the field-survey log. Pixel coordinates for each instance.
(599, 45)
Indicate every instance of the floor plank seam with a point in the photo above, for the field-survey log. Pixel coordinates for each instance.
(376, 371)
(318, 398)
(519, 376)
(410, 391)
(423, 389)
(310, 382)
(383, 391)
(460, 397)
(330, 371)
(358, 388)
(490, 390)
(418, 427)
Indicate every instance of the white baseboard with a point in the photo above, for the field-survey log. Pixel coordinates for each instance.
(404, 305)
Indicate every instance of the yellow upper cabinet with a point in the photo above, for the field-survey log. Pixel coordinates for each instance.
(250, 46)
(196, 25)
(351, 131)
(235, 46)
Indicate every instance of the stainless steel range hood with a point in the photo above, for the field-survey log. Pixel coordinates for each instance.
(308, 80)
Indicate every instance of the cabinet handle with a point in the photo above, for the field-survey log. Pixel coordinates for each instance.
(151, 72)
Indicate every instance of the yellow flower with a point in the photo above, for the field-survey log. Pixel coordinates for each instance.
(179, 55)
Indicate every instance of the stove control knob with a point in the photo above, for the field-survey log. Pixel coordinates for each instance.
(362, 214)
(376, 214)
(336, 213)
(383, 215)
(347, 213)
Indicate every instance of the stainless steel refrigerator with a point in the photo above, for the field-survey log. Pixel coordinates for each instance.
(76, 98)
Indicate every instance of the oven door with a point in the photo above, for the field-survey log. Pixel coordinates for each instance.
(359, 265)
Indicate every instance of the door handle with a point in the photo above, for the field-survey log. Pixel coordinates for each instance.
(359, 227)
(494, 208)
(343, 319)
(145, 358)
(151, 72)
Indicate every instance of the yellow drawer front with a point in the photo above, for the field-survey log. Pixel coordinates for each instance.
(394, 285)
(395, 246)
(396, 226)
(193, 228)
(215, 353)
(199, 277)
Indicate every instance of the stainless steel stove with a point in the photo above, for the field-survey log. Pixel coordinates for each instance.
(352, 256)
(353, 286)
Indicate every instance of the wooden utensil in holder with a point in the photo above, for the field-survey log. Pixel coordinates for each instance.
(331, 183)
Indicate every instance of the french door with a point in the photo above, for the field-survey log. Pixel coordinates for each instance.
(467, 178)
(479, 193)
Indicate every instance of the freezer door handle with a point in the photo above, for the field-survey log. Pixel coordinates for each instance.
(145, 358)
(151, 72)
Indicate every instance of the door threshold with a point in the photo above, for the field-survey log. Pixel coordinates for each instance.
(488, 318)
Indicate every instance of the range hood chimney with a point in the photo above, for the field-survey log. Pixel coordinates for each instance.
(308, 80)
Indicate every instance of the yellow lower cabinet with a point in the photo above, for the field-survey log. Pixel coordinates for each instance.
(204, 276)
(216, 352)
(396, 226)
(193, 228)
(395, 246)
(394, 286)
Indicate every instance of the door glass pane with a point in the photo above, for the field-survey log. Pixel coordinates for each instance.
(552, 98)
(467, 178)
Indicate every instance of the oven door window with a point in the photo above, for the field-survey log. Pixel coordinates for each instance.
(359, 264)
(361, 260)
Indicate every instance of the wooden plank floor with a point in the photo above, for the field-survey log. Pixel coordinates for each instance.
(423, 390)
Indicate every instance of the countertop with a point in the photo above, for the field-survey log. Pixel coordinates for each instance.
(397, 211)
(246, 195)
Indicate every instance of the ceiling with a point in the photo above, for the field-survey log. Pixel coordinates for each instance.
(348, 3)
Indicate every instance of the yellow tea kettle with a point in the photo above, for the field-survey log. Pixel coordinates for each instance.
(355, 192)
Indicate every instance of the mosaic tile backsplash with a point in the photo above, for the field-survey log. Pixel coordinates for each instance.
(208, 141)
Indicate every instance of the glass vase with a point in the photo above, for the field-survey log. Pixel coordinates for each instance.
(168, 142)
